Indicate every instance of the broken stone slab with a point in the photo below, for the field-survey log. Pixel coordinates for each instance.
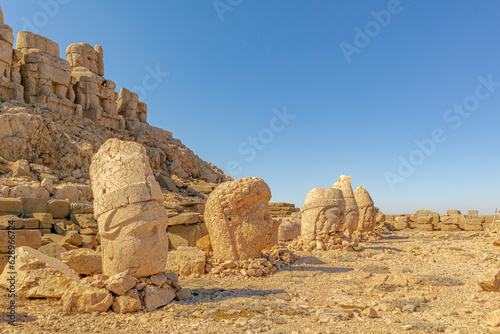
(58, 208)
(84, 220)
(191, 261)
(121, 283)
(185, 235)
(13, 206)
(83, 261)
(45, 219)
(167, 183)
(30, 238)
(34, 205)
(84, 298)
(38, 275)
(73, 238)
(184, 219)
(53, 250)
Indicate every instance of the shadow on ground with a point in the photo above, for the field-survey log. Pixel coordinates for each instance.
(217, 294)
(20, 317)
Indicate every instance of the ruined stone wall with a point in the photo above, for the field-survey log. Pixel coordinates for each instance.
(453, 220)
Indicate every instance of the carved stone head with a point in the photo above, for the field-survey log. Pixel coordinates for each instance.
(239, 221)
(367, 212)
(323, 213)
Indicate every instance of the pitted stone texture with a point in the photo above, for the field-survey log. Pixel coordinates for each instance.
(352, 210)
(132, 222)
(238, 219)
(84, 298)
(367, 212)
(322, 213)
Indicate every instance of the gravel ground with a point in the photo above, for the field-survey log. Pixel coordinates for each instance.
(412, 282)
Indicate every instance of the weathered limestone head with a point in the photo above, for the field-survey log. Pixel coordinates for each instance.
(352, 210)
(367, 212)
(84, 55)
(132, 222)
(6, 42)
(130, 106)
(238, 219)
(322, 213)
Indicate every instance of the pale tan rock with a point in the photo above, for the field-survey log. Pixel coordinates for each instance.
(369, 312)
(38, 275)
(352, 210)
(132, 222)
(191, 261)
(367, 212)
(493, 319)
(121, 282)
(490, 280)
(322, 213)
(83, 261)
(84, 298)
(289, 228)
(155, 297)
(238, 219)
(11, 206)
(53, 250)
(29, 238)
(204, 243)
(58, 208)
(73, 238)
(130, 302)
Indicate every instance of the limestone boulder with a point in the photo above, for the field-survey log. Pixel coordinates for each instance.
(84, 298)
(129, 302)
(83, 261)
(121, 283)
(38, 275)
(289, 228)
(191, 261)
(155, 297)
(53, 250)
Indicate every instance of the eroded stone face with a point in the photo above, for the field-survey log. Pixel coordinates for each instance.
(323, 213)
(352, 210)
(367, 211)
(132, 222)
(238, 219)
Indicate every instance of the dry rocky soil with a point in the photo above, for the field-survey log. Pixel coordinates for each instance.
(414, 281)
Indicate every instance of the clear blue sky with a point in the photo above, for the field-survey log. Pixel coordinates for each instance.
(227, 76)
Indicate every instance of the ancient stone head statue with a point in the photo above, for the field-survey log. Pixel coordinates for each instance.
(367, 212)
(322, 213)
(351, 212)
(238, 219)
(127, 204)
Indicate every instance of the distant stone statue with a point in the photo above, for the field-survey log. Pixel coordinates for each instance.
(322, 213)
(238, 219)
(127, 204)
(352, 210)
(367, 211)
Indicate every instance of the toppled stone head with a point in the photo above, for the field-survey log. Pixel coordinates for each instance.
(322, 213)
(238, 219)
(367, 211)
(352, 210)
(127, 205)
